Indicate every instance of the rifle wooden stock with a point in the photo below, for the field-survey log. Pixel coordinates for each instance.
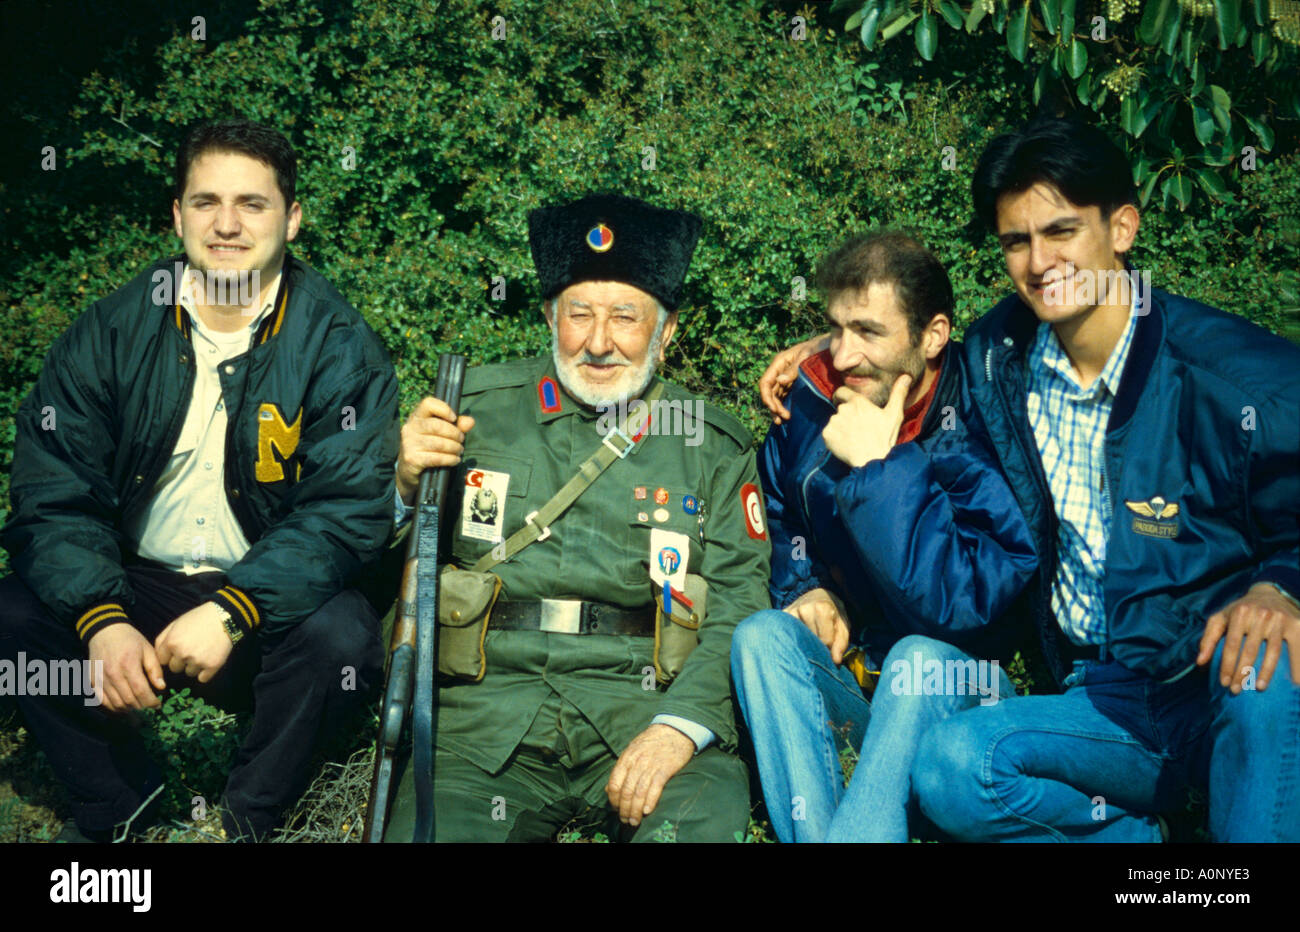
(401, 687)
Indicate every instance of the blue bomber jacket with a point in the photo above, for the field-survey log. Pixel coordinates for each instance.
(928, 540)
(310, 445)
(1202, 467)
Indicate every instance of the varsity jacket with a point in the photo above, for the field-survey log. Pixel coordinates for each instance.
(309, 452)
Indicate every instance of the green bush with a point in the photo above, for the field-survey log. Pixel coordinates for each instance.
(781, 144)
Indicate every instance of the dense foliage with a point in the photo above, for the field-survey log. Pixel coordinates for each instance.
(1195, 86)
(424, 141)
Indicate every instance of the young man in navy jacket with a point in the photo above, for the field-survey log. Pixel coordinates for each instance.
(893, 531)
(1153, 444)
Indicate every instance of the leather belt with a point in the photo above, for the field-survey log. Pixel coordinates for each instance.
(571, 616)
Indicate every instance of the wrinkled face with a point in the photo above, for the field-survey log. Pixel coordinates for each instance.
(1054, 249)
(232, 217)
(607, 340)
(870, 345)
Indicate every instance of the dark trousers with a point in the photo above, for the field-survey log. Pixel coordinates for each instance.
(301, 688)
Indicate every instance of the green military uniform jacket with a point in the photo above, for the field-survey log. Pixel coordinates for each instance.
(701, 483)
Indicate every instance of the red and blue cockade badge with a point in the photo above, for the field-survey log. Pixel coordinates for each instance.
(600, 238)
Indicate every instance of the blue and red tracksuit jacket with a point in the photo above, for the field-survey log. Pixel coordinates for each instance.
(929, 540)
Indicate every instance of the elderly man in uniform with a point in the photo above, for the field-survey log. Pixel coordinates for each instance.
(562, 716)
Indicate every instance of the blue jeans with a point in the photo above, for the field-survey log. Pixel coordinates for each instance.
(795, 701)
(792, 695)
(1096, 763)
(922, 682)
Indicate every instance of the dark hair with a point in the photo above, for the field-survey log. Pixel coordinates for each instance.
(1078, 160)
(246, 138)
(889, 257)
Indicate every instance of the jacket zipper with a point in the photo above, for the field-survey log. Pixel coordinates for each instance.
(1048, 573)
(173, 434)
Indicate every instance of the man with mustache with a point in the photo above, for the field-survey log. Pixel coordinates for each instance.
(1153, 445)
(201, 471)
(892, 534)
(591, 691)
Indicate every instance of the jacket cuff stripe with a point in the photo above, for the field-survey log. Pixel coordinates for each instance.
(98, 615)
(239, 605)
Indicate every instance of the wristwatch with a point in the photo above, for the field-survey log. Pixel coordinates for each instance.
(232, 629)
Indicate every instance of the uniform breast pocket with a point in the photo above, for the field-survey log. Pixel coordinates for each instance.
(492, 491)
(664, 527)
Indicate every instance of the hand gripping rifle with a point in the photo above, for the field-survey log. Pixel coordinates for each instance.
(413, 643)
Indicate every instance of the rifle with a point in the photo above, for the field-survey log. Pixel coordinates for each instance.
(412, 665)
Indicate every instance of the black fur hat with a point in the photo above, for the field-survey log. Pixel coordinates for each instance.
(609, 237)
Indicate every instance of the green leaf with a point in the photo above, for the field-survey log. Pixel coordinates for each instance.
(1127, 112)
(1261, 13)
(1221, 107)
(1202, 124)
(1153, 20)
(1227, 18)
(927, 36)
(870, 26)
(1263, 132)
(898, 25)
(951, 13)
(854, 21)
(1076, 61)
(1179, 187)
(1211, 183)
(1018, 33)
(1169, 38)
(974, 17)
(1083, 90)
(1067, 17)
(1041, 81)
(1260, 46)
(1218, 154)
(1189, 43)
(1146, 112)
(1051, 14)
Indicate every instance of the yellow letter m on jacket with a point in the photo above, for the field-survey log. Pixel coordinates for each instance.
(274, 436)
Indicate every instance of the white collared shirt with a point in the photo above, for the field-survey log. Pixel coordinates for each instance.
(188, 524)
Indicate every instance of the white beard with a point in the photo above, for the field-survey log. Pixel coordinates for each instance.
(630, 383)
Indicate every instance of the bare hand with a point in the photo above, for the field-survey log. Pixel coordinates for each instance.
(127, 657)
(783, 370)
(859, 432)
(644, 767)
(196, 643)
(823, 613)
(1264, 618)
(431, 437)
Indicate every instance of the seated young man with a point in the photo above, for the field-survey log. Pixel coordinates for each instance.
(890, 529)
(1153, 444)
(200, 472)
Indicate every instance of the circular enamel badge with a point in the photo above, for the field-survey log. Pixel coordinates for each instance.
(600, 238)
(661, 515)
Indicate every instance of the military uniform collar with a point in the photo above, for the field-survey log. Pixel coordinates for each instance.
(553, 401)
